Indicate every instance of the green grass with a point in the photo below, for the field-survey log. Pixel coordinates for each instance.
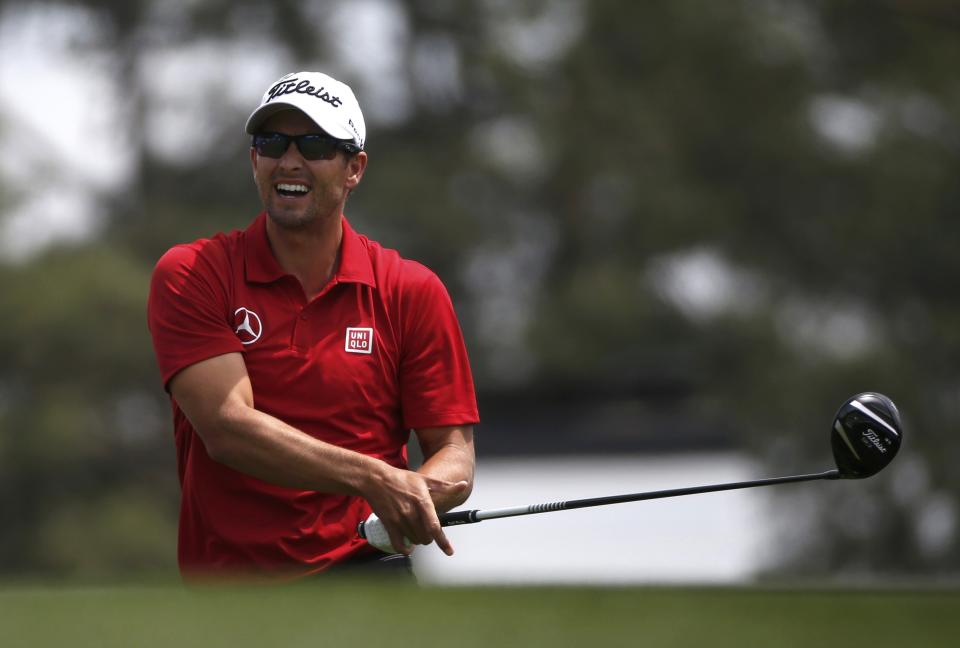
(337, 613)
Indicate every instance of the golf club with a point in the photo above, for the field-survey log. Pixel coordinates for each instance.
(865, 437)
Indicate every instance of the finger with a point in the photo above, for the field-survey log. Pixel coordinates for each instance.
(422, 525)
(418, 534)
(437, 534)
(398, 539)
(417, 524)
(442, 541)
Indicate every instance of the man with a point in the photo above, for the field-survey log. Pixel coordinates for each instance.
(299, 354)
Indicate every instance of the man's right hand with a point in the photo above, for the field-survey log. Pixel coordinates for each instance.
(403, 502)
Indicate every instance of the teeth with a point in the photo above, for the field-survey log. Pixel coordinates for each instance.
(293, 187)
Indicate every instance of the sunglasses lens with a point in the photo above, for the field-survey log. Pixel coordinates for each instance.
(273, 145)
(316, 147)
(311, 147)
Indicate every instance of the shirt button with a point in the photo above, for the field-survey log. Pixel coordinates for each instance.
(303, 316)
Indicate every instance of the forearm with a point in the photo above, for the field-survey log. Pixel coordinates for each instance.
(265, 447)
(452, 461)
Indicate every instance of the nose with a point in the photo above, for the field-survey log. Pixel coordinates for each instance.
(291, 158)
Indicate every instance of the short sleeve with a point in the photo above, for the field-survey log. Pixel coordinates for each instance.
(187, 311)
(436, 383)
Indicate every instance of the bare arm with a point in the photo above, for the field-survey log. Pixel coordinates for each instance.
(217, 398)
(448, 455)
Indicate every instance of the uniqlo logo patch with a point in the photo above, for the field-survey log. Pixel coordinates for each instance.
(359, 340)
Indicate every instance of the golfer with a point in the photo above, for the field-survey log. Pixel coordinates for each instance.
(298, 355)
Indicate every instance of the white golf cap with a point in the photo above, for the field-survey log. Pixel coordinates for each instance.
(331, 105)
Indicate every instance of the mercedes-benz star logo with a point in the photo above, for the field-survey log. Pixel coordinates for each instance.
(248, 325)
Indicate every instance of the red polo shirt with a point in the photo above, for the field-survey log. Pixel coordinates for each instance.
(377, 353)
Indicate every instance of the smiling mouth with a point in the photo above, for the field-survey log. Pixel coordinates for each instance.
(288, 190)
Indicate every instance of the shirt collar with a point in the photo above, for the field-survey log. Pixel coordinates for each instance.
(262, 267)
(355, 265)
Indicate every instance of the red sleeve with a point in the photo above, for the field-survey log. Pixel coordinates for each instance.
(187, 310)
(436, 384)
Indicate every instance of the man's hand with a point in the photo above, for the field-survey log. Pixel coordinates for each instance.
(403, 500)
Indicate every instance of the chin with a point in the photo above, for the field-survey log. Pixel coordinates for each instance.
(291, 219)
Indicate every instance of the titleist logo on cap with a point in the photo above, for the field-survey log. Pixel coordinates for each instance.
(289, 86)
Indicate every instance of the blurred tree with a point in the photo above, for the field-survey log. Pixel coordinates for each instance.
(81, 463)
(736, 213)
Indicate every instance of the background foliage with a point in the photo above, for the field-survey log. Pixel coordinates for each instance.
(722, 217)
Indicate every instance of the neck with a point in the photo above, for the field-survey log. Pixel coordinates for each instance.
(311, 254)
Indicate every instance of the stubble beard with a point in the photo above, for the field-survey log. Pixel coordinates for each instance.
(296, 218)
(292, 218)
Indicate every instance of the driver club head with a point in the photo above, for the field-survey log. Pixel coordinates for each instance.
(866, 435)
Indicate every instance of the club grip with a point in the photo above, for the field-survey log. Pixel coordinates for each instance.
(373, 531)
(453, 518)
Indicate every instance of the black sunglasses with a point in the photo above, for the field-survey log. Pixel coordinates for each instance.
(312, 146)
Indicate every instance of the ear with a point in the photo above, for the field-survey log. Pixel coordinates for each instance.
(253, 160)
(356, 165)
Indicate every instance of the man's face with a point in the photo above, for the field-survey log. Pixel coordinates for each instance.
(327, 182)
